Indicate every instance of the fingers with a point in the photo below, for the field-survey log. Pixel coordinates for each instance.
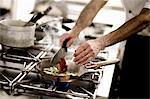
(85, 59)
(63, 37)
(83, 54)
(67, 36)
(80, 49)
(70, 42)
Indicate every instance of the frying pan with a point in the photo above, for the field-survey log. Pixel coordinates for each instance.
(76, 71)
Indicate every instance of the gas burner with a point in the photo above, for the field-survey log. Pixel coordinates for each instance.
(18, 54)
(81, 88)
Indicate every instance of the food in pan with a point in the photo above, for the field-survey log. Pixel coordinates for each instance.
(59, 70)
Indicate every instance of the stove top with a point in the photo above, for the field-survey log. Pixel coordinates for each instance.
(19, 76)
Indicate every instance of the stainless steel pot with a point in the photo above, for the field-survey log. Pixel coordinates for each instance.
(14, 34)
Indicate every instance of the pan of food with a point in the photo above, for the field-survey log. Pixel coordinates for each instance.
(59, 72)
(67, 71)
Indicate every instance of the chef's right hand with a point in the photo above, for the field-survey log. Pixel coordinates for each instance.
(71, 36)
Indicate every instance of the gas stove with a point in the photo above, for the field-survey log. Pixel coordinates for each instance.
(19, 76)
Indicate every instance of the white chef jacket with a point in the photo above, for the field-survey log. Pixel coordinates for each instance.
(133, 8)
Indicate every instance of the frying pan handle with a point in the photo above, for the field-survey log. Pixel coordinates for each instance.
(103, 63)
(65, 44)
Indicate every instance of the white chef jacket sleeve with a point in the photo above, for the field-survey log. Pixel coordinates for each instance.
(147, 4)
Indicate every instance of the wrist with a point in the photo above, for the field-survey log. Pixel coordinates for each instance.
(102, 41)
(75, 31)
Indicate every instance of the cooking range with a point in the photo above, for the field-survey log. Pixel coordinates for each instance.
(19, 75)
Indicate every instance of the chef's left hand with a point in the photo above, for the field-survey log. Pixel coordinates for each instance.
(87, 51)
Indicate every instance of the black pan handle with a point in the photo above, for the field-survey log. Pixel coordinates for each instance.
(38, 16)
(64, 45)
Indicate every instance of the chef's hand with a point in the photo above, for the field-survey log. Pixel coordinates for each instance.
(87, 51)
(71, 36)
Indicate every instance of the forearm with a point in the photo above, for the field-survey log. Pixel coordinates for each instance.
(131, 27)
(87, 15)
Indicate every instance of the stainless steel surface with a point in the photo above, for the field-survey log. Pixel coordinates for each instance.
(28, 68)
(24, 79)
(60, 92)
